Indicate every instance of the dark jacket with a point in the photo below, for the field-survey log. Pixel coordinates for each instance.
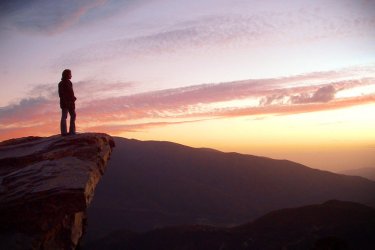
(66, 94)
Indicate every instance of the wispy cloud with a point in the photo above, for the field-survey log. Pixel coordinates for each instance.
(28, 110)
(98, 90)
(323, 94)
(319, 95)
(136, 127)
(295, 109)
(193, 103)
(256, 29)
(86, 89)
(279, 96)
(43, 16)
(53, 17)
(42, 102)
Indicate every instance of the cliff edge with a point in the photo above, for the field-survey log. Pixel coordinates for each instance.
(46, 184)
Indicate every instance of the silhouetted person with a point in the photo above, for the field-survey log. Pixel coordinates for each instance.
(67, 103)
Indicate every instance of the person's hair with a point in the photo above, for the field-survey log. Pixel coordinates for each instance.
(65, 73)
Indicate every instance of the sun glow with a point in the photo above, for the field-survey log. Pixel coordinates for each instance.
(274, 136)
(357, 91)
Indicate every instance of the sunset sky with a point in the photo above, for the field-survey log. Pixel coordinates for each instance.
(283, 79)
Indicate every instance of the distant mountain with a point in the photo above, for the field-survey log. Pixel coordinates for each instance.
(332, 225)
(368, 173)
(151, 184)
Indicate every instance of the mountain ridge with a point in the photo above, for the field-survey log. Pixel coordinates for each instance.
(155, 184)
(331, 225)
(368, 172)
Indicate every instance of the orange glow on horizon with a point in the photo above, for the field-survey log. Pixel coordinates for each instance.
(345, 133)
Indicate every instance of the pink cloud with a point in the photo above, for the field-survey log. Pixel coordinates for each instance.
(117, 129)
(281, 96)
(299, 26)
(296, 109)
(323, 94)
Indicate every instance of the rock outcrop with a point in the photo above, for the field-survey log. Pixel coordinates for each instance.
(46, 185)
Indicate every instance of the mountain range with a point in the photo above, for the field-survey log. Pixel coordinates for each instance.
(155, 184)
(331, 225)
(368, 173)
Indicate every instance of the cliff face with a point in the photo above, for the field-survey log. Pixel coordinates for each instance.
(46, 185)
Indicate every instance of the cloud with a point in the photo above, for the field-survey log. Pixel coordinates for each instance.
(98, 109)
(294, 109)
(86, 89)
(97, 90)
(42, 102)
(35, 129)
(116, 129)
(27, 111)
(323, 94)
(43, 16)
(45, 90)
(200, 100)
(52, 17)
(193, 99)
(230, 29)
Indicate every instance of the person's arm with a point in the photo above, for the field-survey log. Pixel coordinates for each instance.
(74, 97)
(60, 90)
(71, 93)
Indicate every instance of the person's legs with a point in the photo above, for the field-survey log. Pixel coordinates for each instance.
(64, 115)
(72, 127)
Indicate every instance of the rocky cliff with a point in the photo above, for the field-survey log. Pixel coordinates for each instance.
(46, 184)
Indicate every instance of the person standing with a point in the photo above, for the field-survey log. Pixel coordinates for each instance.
(67, 103)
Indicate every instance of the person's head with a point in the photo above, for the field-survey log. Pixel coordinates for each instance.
(66, 74)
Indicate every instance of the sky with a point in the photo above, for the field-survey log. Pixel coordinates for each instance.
(283, 79)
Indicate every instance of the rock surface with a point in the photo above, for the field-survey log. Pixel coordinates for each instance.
(46, 185)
